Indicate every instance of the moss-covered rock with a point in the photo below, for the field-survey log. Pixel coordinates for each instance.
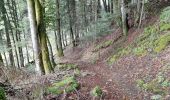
(96, 92)
(69, 84)
(2, 94)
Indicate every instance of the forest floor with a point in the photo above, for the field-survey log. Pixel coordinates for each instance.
(118, 80)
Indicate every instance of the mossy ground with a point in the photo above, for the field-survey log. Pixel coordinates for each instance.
(154, 39)
(67, 85)
(103, 45)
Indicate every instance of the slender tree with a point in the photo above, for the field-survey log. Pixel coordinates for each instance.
(71, 14)
(51, 52)
(124, 18)
(59, 41)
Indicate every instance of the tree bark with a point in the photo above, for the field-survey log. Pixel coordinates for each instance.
(51, 53)
(124, 18)
(34, 36)
(42, 36)
(141, 13)
(70, 7)
(59, 41)
(117, 12)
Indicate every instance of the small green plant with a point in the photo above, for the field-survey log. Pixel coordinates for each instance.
(2, 94)
(140, 82)
(69, 84)
(96, 92)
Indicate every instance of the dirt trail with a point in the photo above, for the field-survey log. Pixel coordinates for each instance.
(111, 79)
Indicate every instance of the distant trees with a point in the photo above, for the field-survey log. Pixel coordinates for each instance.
(6, 25)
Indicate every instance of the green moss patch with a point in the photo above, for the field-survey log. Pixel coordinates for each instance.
(66, 66)
(67, 85)
(96, 92)
(2, 94)
(104, 44)
(162, 42)
(164, 26)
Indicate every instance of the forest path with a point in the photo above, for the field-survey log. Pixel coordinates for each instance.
(116, 81)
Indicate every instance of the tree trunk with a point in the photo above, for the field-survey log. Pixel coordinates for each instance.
(137, 12)
(59, 41)
(42, 36)
(69, 5)
(117, 12)
(1, 60)
(34, 36)
(105, 5)
(141, 13)
(51, 53)
(124, 18)
(26, 48)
